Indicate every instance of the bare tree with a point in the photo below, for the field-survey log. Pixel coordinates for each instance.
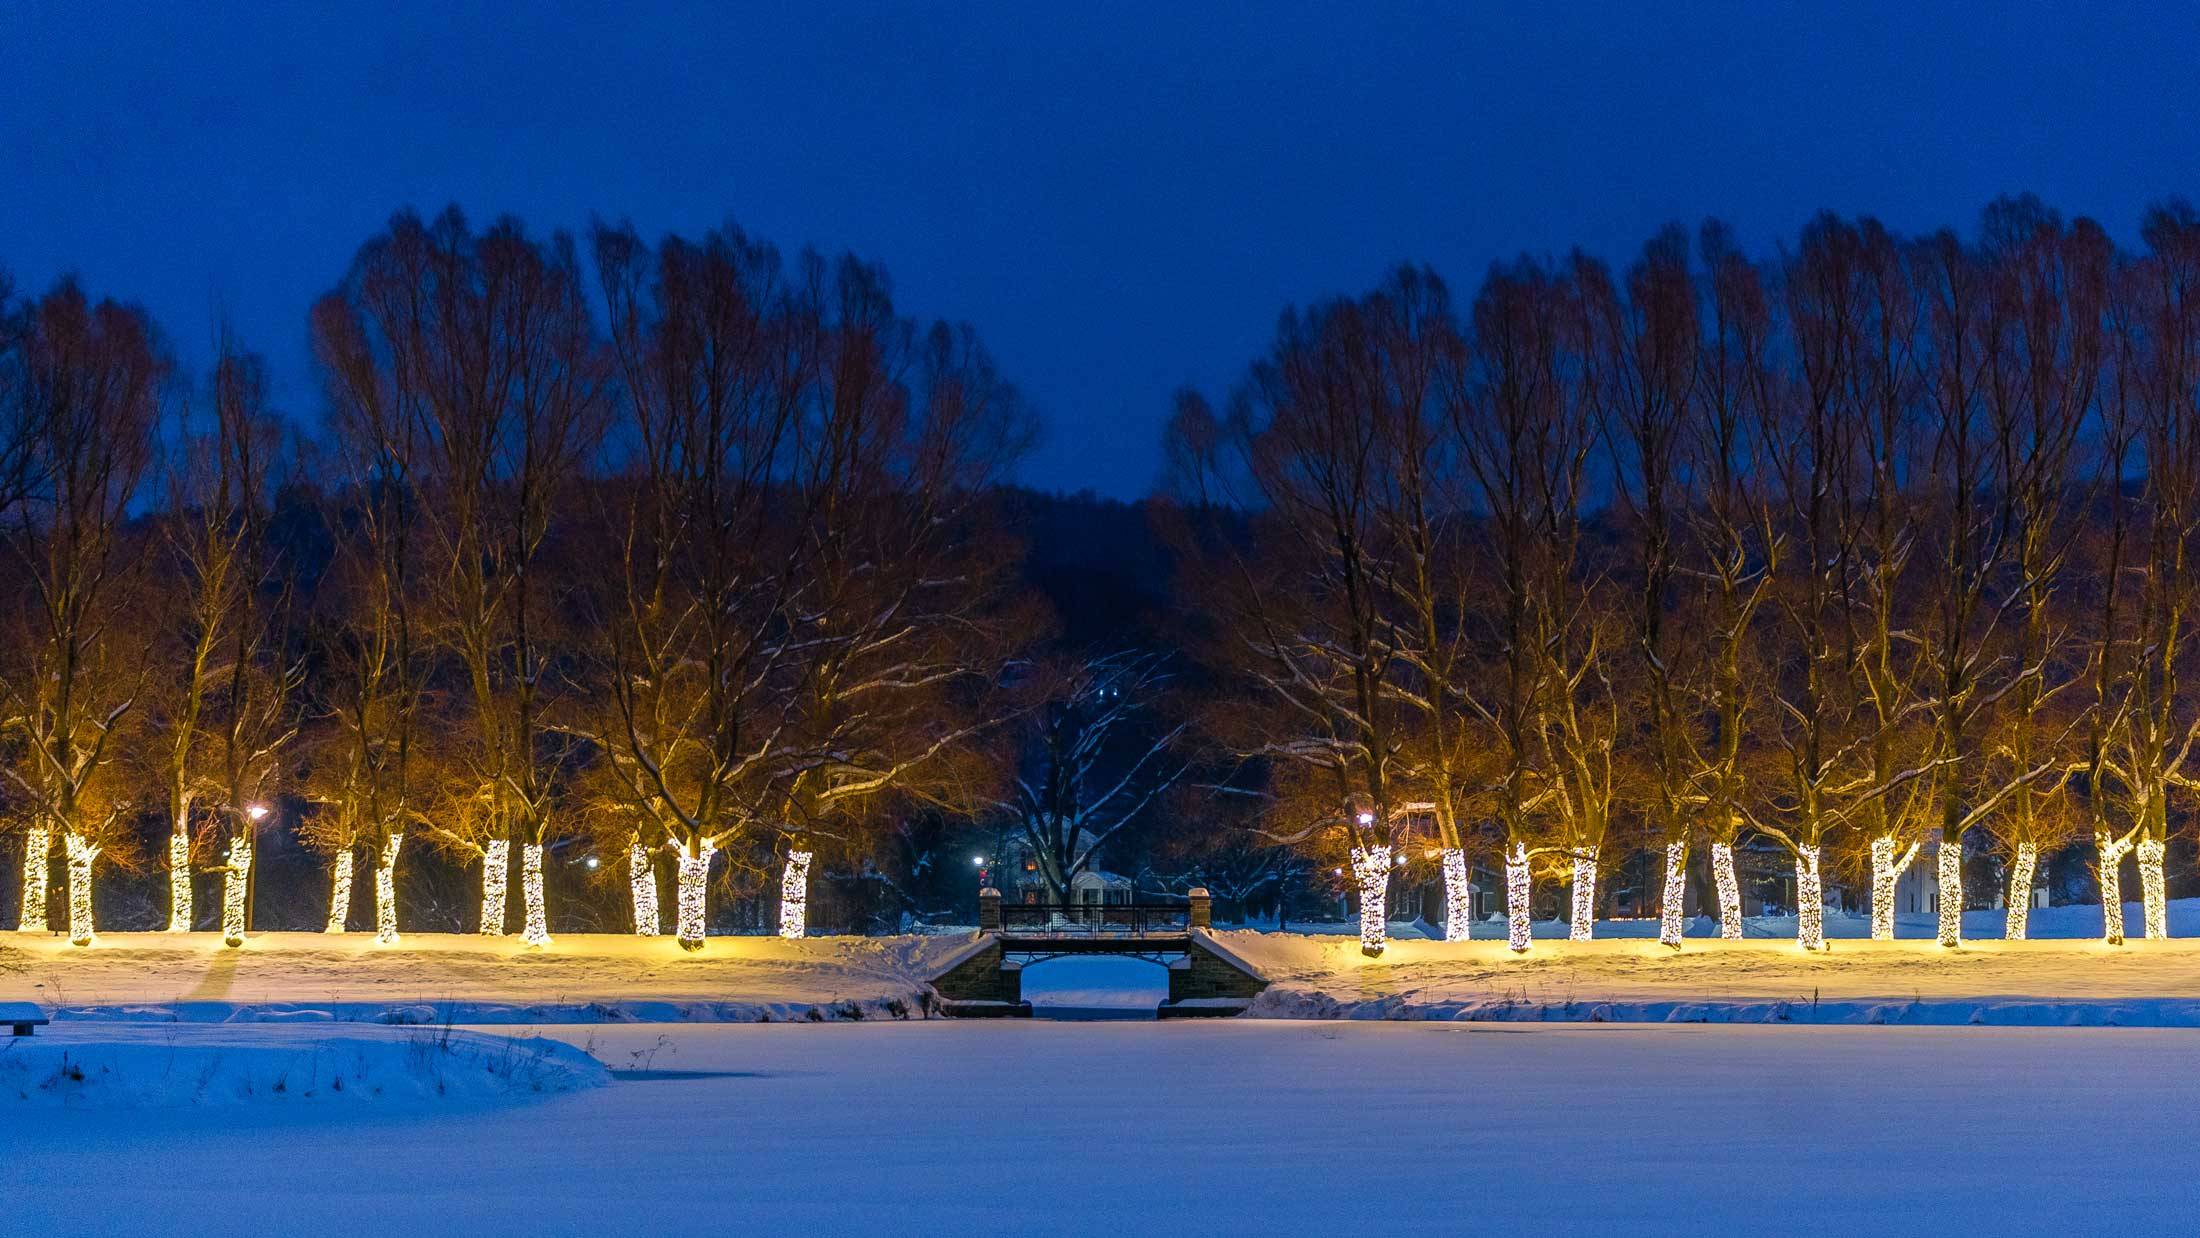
(226, 701)
(1096, 760)
(89, 381)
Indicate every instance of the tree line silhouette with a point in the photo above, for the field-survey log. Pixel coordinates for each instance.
(617, 568)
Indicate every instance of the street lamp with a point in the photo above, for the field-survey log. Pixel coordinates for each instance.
(252, 814)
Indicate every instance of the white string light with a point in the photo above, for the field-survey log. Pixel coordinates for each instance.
(1887, 870)
(37, 854)
(2153, 889)
(1516, 898)
(1730, 891)
(1810, 897)
(641, 881)
(2020, 891)
(82, 851)
(1371, 871)
(794, 896)
(339, 897)
(1948, 853)
(233, 888)
(2112, 851)
(1458, 896)
(1585, 895)
(694, 884)
(385, 892)
(1673, 912)
(538, 914)
(179, 880)
(496, 875)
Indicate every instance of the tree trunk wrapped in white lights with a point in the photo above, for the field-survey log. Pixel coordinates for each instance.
(1585, 896)
(496, 877)
(37, 854)
(179, 880)
(1887, 869)
(2113, 850)
(641, 882)
(794, 896)
(1949, 854)
(339, 895)
(2020, 891)
(233, 888)
(1810, 899)
(2153, 889)
(1673, 911)
(1458, 896)
(694, 882)
(1730, 891)
(1516, 898)
(538, 914)
(385, 892)
(1371, 870)
(82, 851)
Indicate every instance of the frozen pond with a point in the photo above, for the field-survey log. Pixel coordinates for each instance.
(1037, 1127)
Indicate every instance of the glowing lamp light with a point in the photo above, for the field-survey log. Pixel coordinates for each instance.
(978, 860)
(256, 812)
(593, 863)
(1367, 818)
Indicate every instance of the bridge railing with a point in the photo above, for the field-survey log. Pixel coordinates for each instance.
(1095, 919)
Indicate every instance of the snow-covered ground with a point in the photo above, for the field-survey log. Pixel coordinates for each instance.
(1225, 1128)
(147, 1065)
(439, 978)
(2147, 983)
(2071, 921)
(2066, 977)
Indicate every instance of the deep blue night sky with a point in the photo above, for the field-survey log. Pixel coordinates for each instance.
(1120, 197)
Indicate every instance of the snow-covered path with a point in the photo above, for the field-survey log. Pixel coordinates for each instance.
(1242, 1127)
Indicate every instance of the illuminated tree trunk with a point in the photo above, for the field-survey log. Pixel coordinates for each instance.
(179, 879)
(339, 895)
(1949, 853)
(496, 877)
(1458, 896)
(385, 892)
(538, 915)
(1371, 870)
(82, 851)
(233, 887)
(1516, 898)
(641, 881)
(1887, 869)
(2019, 920)
(2153, 889)
(37, 855)
(694, 882)
(1730, 891)
(1585, 896)
(1810, 898)
(1673, 912)
(2112, 851)
(794, 896)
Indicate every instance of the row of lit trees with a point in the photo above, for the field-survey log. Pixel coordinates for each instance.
(1871, 549)
(669, 546)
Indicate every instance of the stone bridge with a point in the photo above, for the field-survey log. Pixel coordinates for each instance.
(986, 979)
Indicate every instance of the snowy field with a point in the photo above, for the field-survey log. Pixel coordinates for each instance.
(1222, 1128)
(439, 978)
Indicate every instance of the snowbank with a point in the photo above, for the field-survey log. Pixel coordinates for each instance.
(89, 1064)
(2029, 983)
(455, 978)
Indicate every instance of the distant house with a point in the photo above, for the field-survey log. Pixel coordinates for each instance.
(1091, 887)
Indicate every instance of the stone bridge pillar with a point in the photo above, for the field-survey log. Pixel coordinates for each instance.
(989, 910)
(1203, 908)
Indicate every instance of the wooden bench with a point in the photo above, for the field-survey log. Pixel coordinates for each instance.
(22, 1016)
